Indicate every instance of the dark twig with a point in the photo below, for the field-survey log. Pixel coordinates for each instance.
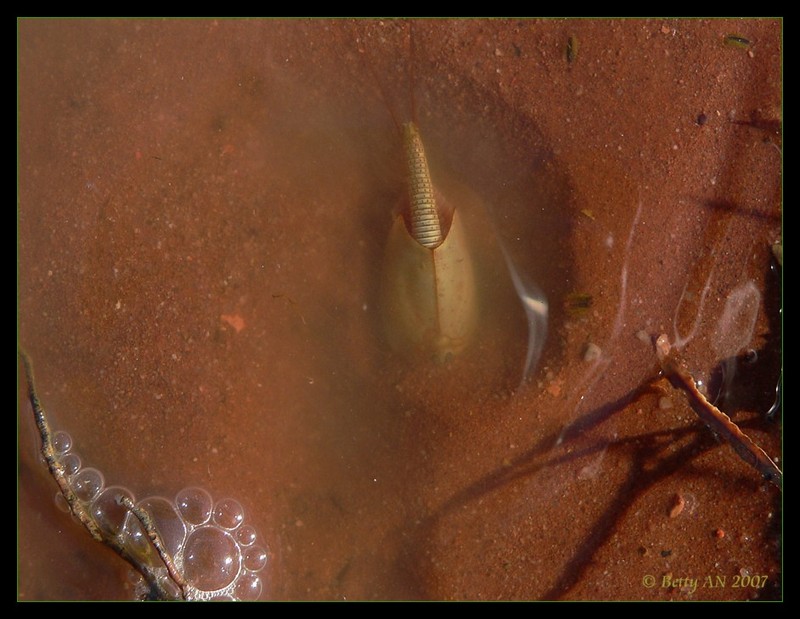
(157, 590)
(714, 418)
(144, 518)
(51, 458)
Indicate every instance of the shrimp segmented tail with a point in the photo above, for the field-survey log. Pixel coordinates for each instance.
(426, 228)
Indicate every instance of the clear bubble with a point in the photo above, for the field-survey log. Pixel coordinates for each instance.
(62, 442)
(107, 510)
(136, 583)
(211, 559)
(169, 524)
(87, 484)
(61, 502)
(246, 535)
(137, 542)
(170, 586)
(71, 464)
(255, 558)
(228, 514)
(248, 587)
(194, 505)
(167, 521)
(217, 553)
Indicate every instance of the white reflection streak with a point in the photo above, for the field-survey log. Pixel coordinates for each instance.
(536, 308)
(597, 370)
(623, 292)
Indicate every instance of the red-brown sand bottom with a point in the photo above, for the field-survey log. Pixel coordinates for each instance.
(202, 212)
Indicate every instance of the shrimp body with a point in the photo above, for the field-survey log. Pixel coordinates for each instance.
(428, 287)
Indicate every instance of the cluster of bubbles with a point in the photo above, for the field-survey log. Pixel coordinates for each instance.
(217, 553)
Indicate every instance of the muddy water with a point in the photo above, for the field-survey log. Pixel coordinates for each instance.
(203, 208)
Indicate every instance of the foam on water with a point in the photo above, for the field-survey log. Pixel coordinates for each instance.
(211, 545)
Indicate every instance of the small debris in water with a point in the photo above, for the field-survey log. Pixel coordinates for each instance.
(577, 304)
(719, 533)
(777, 251)
(572, 48)
(678, 504)
(736, 40)
(554, 387)
(234, 320)
(591, 352)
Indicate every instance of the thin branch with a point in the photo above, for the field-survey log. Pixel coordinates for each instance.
(714, 418)
(157, 589)
(146, 520)
(51, 457)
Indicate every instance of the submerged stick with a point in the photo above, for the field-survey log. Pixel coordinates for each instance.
(714, 418)
(51, 458)
(146, 521)
(157, 590)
